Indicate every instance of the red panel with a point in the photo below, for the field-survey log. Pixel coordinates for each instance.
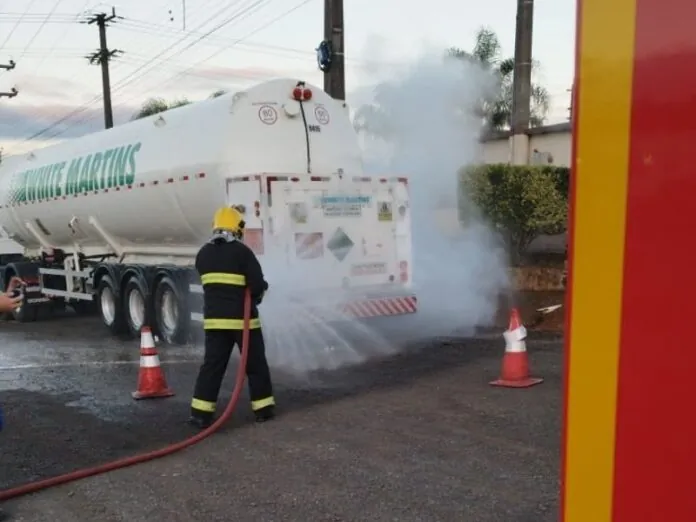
(656, 433)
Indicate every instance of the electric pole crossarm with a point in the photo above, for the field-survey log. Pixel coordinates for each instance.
(13, 92)
(9, 66)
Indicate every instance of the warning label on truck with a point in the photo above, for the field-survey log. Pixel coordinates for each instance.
(309, 246)
(343, 206)
(384, 211)
(365, 269)
(340, 244)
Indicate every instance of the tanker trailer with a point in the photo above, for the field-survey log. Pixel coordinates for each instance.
(111, 222)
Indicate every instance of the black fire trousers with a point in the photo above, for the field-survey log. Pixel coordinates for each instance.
(218, 349)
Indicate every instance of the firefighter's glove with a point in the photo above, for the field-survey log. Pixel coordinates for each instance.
(259, 299)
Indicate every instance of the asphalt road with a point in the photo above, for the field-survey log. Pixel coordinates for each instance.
(416, 436)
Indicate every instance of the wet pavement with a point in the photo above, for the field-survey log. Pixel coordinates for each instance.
(418, 436)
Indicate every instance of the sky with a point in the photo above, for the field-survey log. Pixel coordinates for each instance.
(167, 51)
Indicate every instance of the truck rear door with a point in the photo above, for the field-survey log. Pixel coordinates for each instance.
(351, 234)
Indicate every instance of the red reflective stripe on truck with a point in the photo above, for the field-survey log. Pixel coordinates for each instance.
(381, 307)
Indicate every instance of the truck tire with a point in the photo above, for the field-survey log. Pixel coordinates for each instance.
(171, 312)
(109, 305)
(135, 307)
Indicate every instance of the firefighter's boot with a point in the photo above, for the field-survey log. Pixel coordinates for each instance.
(200, 423)
(265, 414)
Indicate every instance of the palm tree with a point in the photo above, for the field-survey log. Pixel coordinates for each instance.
(497, 109)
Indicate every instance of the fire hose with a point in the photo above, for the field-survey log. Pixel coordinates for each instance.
(39, 485)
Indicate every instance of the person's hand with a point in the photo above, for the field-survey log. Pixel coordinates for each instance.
(9, 303)
(14, 283)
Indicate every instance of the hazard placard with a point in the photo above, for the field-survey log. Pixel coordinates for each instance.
(384, 211)
(309, 246)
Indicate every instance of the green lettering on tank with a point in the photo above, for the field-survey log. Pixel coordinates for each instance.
(58, 181)
(130, 175)
(83, 181)
(104, 175)
(32, 185)
(113, 171)
(120, 167)
(94, 178)
(72, 176)
(117, 166)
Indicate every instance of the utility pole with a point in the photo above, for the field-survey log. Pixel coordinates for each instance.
(12, 92)
(335, 76)
(522, 81)
(102, 57)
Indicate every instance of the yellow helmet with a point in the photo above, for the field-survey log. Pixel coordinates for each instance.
(228, 218)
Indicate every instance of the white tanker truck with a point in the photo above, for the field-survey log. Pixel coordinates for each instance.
(112, 221)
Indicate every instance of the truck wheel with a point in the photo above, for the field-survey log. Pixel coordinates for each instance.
(110, 309)
(135, 306)
(171, 312)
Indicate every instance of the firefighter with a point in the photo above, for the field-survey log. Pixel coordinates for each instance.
(227, 267)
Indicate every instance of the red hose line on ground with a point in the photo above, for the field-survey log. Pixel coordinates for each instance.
(33, 487)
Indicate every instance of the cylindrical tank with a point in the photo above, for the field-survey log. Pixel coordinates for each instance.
(157, 181)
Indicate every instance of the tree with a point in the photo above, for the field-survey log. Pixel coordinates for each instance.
(497, 109)
(521, 201)
(157, 105)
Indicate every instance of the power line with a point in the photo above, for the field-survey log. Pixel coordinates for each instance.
(131, 77)
(124, 82)
(213, 55)
(14, 28)
(43, 24)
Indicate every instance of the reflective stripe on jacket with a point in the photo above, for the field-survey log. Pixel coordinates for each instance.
(226, 268)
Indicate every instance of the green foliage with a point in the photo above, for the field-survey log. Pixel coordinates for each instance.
(521, 201)
(157, 105)
(497, 108)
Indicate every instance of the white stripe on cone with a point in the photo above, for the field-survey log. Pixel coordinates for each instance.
(514, 340)
(146, 339)
(149, 361)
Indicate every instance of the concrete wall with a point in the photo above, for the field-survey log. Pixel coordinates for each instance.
(550, 144)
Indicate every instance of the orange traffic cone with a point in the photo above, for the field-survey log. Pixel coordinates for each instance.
(151, 381)
(515, 371)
